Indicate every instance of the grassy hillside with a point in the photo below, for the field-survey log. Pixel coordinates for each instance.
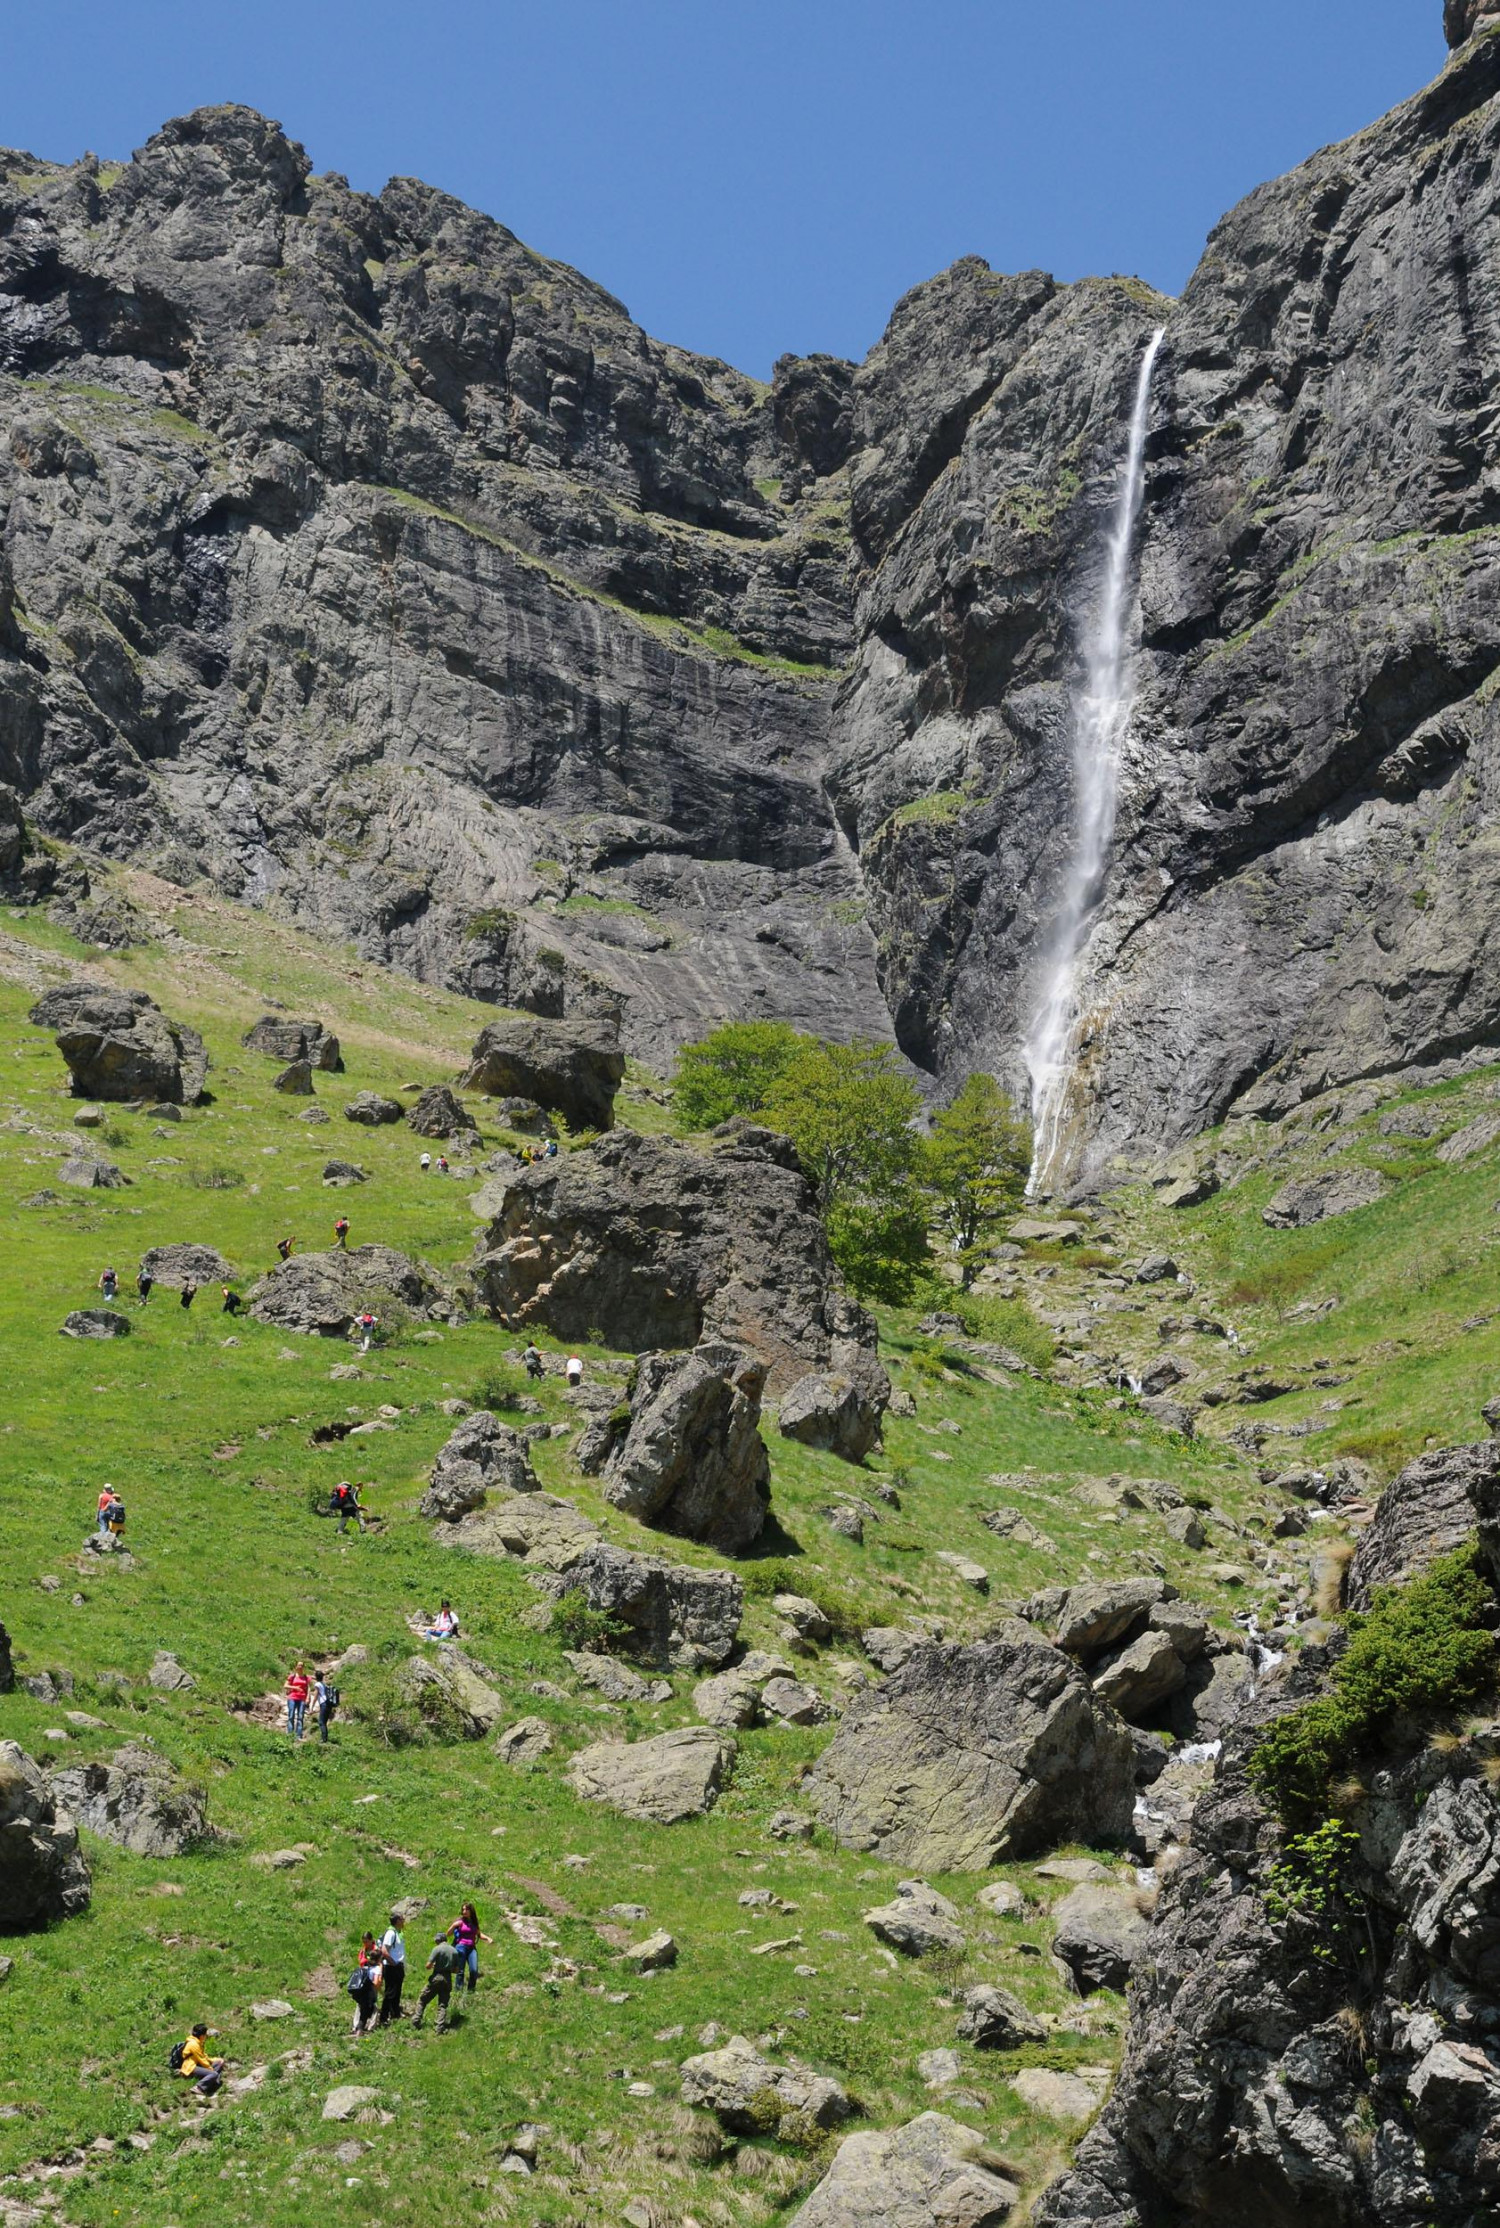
(207, 1427)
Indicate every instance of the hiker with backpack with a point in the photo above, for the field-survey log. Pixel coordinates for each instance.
(347, 1506)
(189, 2059)
(364, 1984)
(284, 1246)
(442, 1965)
(393, 1953)
(143, 1283)
(115, 1515)
(106, 1503)
(444, 1625)
(187, 1296)
(341, 1233)
(533, 1360)
(298, 1687)
(109, 1284)
(325, 1702)
(232, 1301)
(366, 1324)
(466, 1935)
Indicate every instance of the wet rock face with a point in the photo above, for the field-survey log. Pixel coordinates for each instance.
(655, 1244)
(411, 420)
(43, 1874)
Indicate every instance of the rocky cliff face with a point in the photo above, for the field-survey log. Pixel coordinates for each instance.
(377, 569)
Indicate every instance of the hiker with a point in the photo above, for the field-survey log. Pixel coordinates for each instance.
(441, 1967)
(466, 1936)
(341, 1233)
(187, 1296)
(574, 1372)
(325, 1702)
(442, 1164)
(298, 1687)
(365, 1324)
(109, 1284)
(143, 1283)
(393, 1952)
(348, 1506)
(444, 1625)
(425, 1163)
(284, 1248)
(193, 2063)
(116, 1515)
(364, 1984)
(551, 1152)
(232, 1301)
(533, 1360)
(106, 1503)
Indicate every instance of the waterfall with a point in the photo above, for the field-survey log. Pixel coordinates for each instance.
(1101, 719)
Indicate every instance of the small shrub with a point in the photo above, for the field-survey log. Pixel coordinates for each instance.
(502, 1386)
(215, 1179)
(776, 1576)
(588, 1631)
(1009, 1323)
(1313, 1888)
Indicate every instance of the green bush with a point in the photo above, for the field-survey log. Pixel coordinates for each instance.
(731, 1071)
(589, 1631)
(1421, 1647)
(1008, 1323)
(503, 1385)
(776, 1575)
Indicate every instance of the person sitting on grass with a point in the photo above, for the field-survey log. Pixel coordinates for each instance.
(193, 2063)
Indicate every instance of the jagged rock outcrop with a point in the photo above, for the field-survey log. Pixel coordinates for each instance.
(840, 1408)
(295, 1041)
(968, 1756)
(118, 1044)
(569, 1070)
(483, 1456)
(691, 1458)
(673, 1614)
(136, 1798)
(43, 1874)
(322, 1293)
(173, 1266)
(438, 1113)
(1462, 18)
(655, 1244)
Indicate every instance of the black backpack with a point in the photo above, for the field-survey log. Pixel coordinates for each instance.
(340, 1498)
(333, 1700)
(174, 2057)
(358, 1982)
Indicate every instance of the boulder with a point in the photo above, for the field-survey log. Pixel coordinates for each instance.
(349, 2102)
(320, 1294)
(119, 1045)
(676, 1614)
(295, 1080)
(371, 1110)
(731, 1699)
(789, 1701)
(1475, 1137)
(692, 1460)
(451, 1691)
(1430, 1508)
(1101, 1931)
(173, 1266)
(87, 1174)
(1103, 1612)
(1211, 1696)
(437, 1113)
(344, 1172)
(572, 1072)
(540, 1529)
(136, 1798)
(1141, 1676)
(653, 1243)
(308, 1042)
(95, 1322)
(750, 2094)
(168, 1676)
(923, 2175)
(616, 1681)
(1335, 1191)
(888, 1646)
(970, 1755)
(43, 1874)
(917, 1921)
(656, 1954)
(663, 1780)
(839, 1409)
(993, 2019)
(483, 1456)
(525, 1742)
(806, 1619)
(965, 1570)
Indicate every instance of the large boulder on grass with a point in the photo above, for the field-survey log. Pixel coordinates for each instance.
(652, 1243)
(320, 1294)
(43, 1874)
(838, 1409)
(437, 1113)
(451, 1694)
(750, 2094)
(970, 1756)
(483, 1456)
(673, 1776)
(925, 2175)
(691, 1459)
(572, 1072)
(119, 1045)
(293, 1041)
(371, 1109)
(137, 1799)
(173, 1266)
(1100, 1933)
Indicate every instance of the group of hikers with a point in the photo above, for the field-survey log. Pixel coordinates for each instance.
(536, 1367)
(145, 1285)
(376, 1985)
(317, 1689)
(533, 1153)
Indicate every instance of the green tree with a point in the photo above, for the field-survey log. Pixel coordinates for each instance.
(851, 1113)
(732, 1071)
(977, 1161)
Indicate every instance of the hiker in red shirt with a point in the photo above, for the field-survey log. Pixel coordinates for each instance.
(298, 1687)
(341, 1233)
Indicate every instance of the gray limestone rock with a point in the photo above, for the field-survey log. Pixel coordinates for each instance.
(343, 1173)
(1432, 1507)
(663, 1780)
(653, 1243)
(88, 1174)
(294, 1041)
(750, 2094)
(118, 1044)
(43, 1874)
(917, 1921)
(570, 1071)
(95, 1322)
(525, 1742)
(994, 2019)
(451, 1694)
(927, 2174)
(1337, 1191)
(168, 1675)
(320, 1294)
(691, 1459)
(483, 1456)
(1100, 1934)
(372, 1111)
(172, 1266)
(295, 1080)
(1102, 1612)
(438, 1113)
(676, 1614)
(1141, 1675)
(838, 1409)
(137, 1799)
(968, 1756)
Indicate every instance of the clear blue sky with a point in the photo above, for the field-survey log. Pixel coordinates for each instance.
(752, 176)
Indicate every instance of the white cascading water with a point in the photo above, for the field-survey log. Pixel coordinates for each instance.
(1101, 719)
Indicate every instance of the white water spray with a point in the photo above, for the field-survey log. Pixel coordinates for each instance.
(1101, 720)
